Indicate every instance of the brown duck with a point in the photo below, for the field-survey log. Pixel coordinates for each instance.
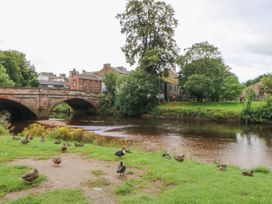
(56, 161)
(179, 158)
(121, 169)
(31, 176)
(64, 147)
(25, 141)
(222, 167)
(247, 173)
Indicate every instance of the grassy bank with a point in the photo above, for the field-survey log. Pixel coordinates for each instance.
(163, 181)
(209, 110)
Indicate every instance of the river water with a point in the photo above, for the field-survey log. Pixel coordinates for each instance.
(243, 145)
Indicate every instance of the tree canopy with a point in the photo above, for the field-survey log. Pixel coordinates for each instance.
(137, 93)
(149, 27)
(5, 81)
(267, 83)
(19, 69)
(205, 62)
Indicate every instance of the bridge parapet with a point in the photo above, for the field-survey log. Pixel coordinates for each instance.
(40, 101)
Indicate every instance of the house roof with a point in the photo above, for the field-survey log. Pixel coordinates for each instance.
(50, 82)
(89, 77)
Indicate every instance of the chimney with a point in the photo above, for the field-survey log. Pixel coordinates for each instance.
(107, 66)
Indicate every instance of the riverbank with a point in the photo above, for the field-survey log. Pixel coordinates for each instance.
(215, 111)
(149, 178)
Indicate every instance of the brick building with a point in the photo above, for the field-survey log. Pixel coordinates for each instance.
(86, 81)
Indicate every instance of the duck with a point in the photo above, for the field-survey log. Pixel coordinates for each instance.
(179, 158)
(25, 141)
(121, 169)
(247, 173)
(79, 144)
(57, 141)
(120, 153)
(64, 147)
(29, 177)
(222, 167)
(16, 137)
(56, 161)
(42, 139)
(166, 155)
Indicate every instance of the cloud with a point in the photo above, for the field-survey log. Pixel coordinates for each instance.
(60, 35)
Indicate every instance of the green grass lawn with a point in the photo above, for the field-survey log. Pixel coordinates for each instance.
(164, 181)
(67, 196)
(208, 110)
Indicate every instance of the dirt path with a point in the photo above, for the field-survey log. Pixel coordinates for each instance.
(74, 172)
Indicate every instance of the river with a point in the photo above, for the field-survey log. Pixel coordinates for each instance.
(243, 145)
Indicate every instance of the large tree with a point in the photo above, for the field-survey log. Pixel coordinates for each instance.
(19, 69)
(206, 60)
(149, 27)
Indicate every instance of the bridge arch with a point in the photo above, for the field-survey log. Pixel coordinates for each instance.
(16, 109)
(79, 105)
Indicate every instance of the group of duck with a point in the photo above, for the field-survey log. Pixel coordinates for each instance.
(29, 177)
(33, 175)
(221, 167)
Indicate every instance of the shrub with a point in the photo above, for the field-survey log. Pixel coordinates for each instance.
(34, 130)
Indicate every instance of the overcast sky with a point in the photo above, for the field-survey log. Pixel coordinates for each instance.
(58, 35)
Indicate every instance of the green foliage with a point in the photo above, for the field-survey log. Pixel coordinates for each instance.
(267, 83)
(108, 101)
(5, 80)
(203, 59)
(149, 28)
(199, 86)
(137, 93)
(19, 69)
(254, 81)
(231, 88)
(62, 108)
(67, 196)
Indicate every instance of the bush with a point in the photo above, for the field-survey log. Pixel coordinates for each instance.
(34, 130)
(258, 115)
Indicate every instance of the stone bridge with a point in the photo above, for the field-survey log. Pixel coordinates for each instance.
(36, 103)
